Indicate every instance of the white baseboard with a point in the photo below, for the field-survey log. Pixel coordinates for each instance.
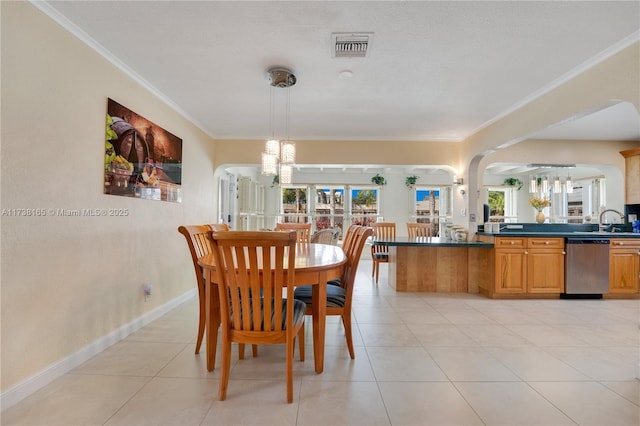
(30, 385)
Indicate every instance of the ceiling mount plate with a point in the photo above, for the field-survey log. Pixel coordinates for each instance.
(281, 77)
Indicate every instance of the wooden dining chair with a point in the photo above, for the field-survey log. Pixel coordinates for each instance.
(245, 318)
(199, 242)
(303, 230)
(416, 230)
(340, 292)
(347, 240)
(380, 254)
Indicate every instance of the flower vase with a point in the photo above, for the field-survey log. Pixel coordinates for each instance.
(540, 217)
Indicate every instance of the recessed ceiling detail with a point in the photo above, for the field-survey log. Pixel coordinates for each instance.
(350, 45)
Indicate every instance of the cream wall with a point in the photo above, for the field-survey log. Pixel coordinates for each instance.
(69, 281)
(616, 79)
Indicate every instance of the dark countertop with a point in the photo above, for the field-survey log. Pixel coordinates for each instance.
(558, 230)
(429, 242)
(575, 234)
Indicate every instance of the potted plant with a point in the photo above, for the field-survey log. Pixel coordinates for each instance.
(512, 181)
(378, 180)
(411, 180)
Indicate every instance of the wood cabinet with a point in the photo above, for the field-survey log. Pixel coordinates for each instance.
(529, 265)
(545, 265)
(624, 266)
(510, 265)
(632, 175)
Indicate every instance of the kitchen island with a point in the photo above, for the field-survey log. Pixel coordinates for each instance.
(432, 264)
(525, 262)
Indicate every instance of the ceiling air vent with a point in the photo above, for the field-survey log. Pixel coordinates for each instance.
(351, 45)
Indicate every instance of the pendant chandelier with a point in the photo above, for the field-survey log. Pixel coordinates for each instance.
(541, 184)
(279, 157)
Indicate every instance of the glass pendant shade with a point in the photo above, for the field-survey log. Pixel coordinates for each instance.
(557, 187)
(288, 153)
(286, 173)
(569, 185)
(269, 164)
(272, 147)
(545, 185)
(533, 185)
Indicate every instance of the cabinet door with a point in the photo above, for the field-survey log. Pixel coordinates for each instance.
(545, 271)
(624, 266)
(511, 271)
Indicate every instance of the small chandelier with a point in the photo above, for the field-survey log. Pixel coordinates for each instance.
(279, 157)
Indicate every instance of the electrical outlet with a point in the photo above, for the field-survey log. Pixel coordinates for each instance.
(147, 290)
(463, 212)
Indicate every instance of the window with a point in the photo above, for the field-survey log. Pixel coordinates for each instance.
(364, 205)
(329, 207)
(502, 204)
(294, 204)
(431, 205)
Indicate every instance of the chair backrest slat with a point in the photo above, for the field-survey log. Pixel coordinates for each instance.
(416, 230)
(383, 231)
(362, 233)
(255, 263)
(199, 242)
(303, 230)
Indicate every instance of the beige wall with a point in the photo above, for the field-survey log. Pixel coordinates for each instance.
(345, 152)
(616, 79)
(67, 281)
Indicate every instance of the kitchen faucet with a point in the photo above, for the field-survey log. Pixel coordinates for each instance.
(610, 227)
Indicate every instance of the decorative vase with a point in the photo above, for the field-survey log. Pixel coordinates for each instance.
(540, 217)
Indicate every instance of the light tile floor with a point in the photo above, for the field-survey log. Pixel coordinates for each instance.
(421, 359)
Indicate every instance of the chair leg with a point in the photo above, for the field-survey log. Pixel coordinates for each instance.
(224, 369)
(346, 321)
(290, 348)
(301, 342)
(373, 267)
(240, 350)
(254, 349)
(202, 320)
(377, 271)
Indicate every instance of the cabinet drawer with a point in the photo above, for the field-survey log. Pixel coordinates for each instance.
(510, 242)
(545, 243)
(624, 243)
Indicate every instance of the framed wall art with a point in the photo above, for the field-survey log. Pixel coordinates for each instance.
(142, 160)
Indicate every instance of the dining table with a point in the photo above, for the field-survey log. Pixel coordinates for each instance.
(315, 264)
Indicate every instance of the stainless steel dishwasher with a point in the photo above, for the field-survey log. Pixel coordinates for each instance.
(587, 267)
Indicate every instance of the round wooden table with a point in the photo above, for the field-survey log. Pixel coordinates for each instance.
(315, 265)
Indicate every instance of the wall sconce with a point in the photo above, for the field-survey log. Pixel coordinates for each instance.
(457, 180)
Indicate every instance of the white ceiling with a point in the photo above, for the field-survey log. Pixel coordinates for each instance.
(435, 70)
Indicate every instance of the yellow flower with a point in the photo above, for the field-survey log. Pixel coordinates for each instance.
(539, 203)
